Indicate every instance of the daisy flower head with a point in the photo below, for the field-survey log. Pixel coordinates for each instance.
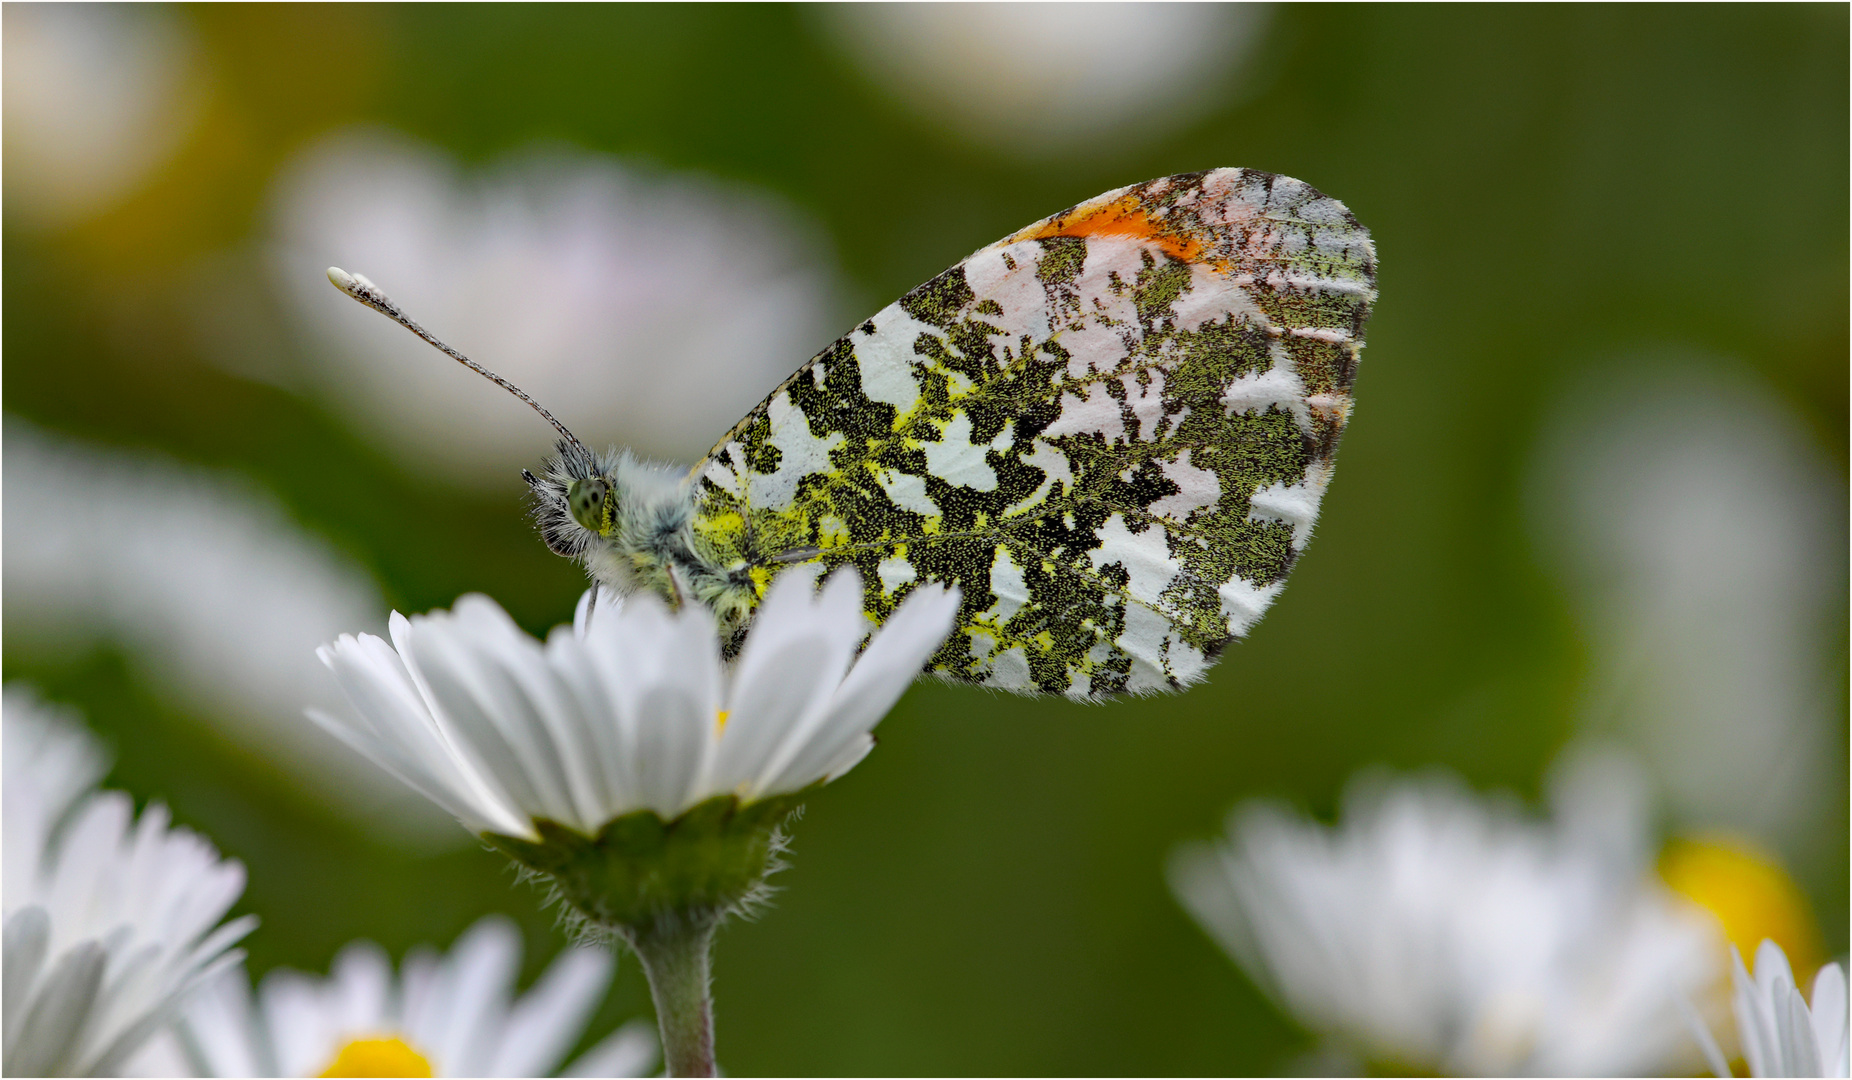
(627, 761)
(110, 921)
(1435, 929)
(450, 1014)
(629, 726)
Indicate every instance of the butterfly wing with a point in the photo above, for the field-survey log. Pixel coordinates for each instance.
(1111, 430)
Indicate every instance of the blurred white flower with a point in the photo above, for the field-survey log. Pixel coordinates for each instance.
(645, 308)
(109, 922)
(442, 1015)
(97, 96)
(1704, 538)
(630, 709)
(1035, 79)
(1780, 1035)
(1434, 929)
(217, 597)
(51, 762)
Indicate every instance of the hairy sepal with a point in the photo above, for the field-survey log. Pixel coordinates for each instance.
(641, 871)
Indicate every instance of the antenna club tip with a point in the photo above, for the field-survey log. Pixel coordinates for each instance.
(358, 287)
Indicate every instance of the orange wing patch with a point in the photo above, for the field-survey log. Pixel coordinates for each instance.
(1124, 216)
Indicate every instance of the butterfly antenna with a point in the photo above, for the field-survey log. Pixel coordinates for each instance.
(369, 294)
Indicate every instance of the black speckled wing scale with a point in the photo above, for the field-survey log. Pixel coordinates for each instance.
(1111, 430)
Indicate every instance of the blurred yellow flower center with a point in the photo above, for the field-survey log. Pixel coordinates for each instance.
(1750, 895)
(379, 1057)
(720, 721)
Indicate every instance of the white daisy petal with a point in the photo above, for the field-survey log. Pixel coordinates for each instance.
(1830, 1020)
(623, 651)
(506, 744)
(859, 747)
(558, 708)
(537, 690)
(1800, 1052)
(1755, 1020)
(608, 777)
(480, 969)
(776, 680)
(543, 1025)
(628, 1051)
(770, 704)
(426, 990)
(362, 977)
(388, 757)
(1772, 970)
(629, 654)
(482, 652)
(396, 728)
(28, 942)
(673, 742)
(838, 611)
(436, 730)
(790, 666)
(901, 647)
(52, 1025)
(219, 1021)
(290, 1013)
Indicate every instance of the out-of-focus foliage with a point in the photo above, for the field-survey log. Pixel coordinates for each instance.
(1559, 195)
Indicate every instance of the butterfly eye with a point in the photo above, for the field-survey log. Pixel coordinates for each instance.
(585, 498)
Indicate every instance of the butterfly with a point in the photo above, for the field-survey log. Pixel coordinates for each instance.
(1110, 430)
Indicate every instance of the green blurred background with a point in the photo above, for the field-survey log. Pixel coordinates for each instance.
(1555, 192)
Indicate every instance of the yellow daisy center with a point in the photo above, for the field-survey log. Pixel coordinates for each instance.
(720, 721)
(379, 1057)
(1749, 893)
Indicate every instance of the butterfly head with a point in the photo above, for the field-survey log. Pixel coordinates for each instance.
(576, 499)
(624, 519)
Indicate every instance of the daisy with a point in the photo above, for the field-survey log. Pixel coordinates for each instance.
(573, 270)
(1116, 76)
(216, 598)
(625, 761)
(1438, 930)
(97, 99)
(110, 921)
(440, 1015)
(1693, 516)
(1780, 1034)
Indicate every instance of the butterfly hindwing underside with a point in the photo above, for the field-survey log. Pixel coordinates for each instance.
(1110, 430)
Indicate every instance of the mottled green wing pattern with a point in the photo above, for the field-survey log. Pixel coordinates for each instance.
(1111, 430)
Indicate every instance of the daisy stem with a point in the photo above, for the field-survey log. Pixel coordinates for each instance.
(675, 955)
